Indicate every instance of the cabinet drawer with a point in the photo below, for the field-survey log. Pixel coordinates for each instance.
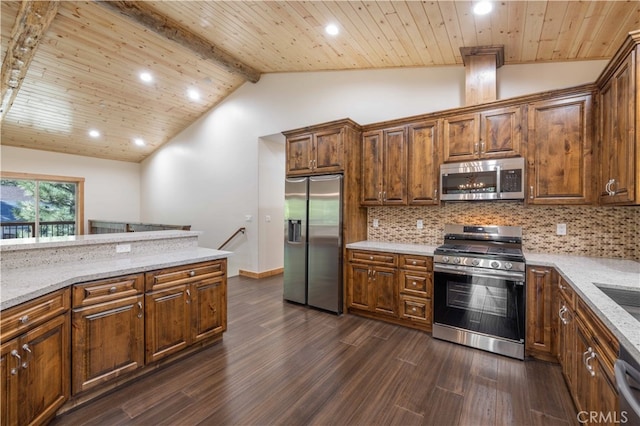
(415, 309)
(24, 317)
(184, 274)
(419, 285)
(601, 335)
(106, 290)
(373, 257)
(416, 263)
(567, 292)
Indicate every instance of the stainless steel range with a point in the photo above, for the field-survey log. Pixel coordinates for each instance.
(479, 288)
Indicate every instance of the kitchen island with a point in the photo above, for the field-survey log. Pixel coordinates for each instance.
(86, 314)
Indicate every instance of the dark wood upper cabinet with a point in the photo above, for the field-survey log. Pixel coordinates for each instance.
(423, 165)
(384, 167)
(618, 122)
(559, 151)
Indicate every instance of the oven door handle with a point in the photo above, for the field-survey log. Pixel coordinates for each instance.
(514, 276)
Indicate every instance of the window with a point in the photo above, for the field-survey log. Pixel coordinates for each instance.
(41, 206)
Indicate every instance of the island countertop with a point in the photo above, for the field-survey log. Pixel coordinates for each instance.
(581, 272)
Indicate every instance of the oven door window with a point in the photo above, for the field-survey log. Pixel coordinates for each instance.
(491, 306)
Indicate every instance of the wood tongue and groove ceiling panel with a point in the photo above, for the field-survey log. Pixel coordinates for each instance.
(85, 70)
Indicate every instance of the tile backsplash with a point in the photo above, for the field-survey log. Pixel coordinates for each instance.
(591, 231)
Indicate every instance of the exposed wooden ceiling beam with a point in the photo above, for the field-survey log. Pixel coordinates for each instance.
(33, 20)
(144, 15)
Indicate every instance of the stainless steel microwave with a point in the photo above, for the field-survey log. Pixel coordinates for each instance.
(501, 179)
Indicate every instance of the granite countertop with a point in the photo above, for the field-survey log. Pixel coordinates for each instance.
(92, 239)
(24, 284)
(581, 272)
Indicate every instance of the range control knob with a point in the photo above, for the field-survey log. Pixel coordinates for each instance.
(445, 259)
(456, 260)
(508, 265)
(495, 264)
(475, 262)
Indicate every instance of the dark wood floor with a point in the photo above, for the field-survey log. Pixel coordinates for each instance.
(281, 363)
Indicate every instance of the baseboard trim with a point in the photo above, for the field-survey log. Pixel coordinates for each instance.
(258, 275)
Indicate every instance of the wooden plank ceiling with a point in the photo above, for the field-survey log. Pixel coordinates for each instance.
(84, 72)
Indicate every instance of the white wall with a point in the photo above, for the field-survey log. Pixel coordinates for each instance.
(271, 175)
(111, 188)
(209, 174)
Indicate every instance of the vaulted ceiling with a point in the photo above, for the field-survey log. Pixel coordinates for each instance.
(73, 66)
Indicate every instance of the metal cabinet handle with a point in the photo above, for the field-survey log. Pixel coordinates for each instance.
(139, 309)
(586, 357)
(475, 148)
(192, 273)
(188, 296)
(482, 147)
(560, 286)
(24, 319)
(414, 263)
(373, 274)
(384, 196)
(611, 191)
(113, 289)
(14, 353)
(26, 348)
(414, 284)
(379, 195)
(561, 312)
(531, 192)
(435, 194)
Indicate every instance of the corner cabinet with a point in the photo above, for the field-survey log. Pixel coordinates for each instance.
(560, 151)
(384, 167)
(495, 133)
(618, 123)
(35, 360)
(319, 149)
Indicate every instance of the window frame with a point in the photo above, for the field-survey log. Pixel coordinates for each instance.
(79, 181)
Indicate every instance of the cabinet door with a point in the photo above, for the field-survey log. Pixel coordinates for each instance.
(618, 137)
(44, 374)
(559, 154)
(107, 341)
(329, 151)
(372, 153)
(299, 153)
(384, 284)
(394, 187)
(501, 135)
(583, 376)
(566, 342)
(9, 369)
(358, 295)
(461, 137)
(208, 308)
(422, 170)
(538, 340)
(167, 322)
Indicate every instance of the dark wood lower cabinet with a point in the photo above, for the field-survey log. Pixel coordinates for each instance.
(167, 323)
(538, 340)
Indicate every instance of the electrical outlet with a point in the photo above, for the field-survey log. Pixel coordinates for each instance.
(267, 218)
(376, 223)
(561, 229)
(420, 224)
(123, 248)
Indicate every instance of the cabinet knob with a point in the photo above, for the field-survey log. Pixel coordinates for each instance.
(414, 263)
(24, 319)
(414, 283)
(192, 273)
(414, 309)
(113, 289)
(370, 257)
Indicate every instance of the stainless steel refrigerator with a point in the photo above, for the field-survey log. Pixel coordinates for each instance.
(313, 241)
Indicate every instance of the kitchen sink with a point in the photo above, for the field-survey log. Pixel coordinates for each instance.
(629, 300)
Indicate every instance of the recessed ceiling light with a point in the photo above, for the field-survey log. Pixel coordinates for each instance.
(94, 133)
(193, 94)
(332, 29)
(482, 7)
(139, 142)
(146, 77)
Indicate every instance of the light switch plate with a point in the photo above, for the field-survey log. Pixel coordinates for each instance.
(123, 248)
(376, 222)
(420, 224)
